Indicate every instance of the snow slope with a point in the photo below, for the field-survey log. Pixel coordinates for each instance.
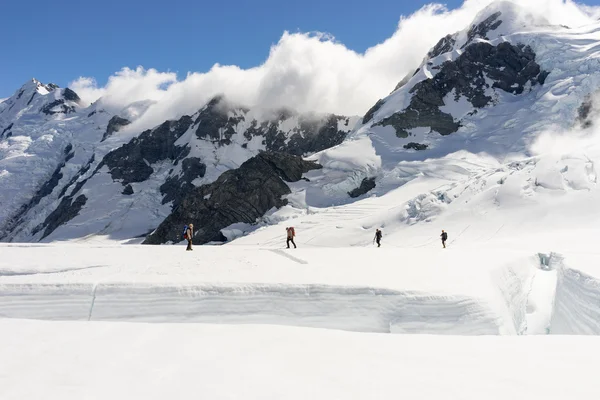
(34, 142)
(468, 290)
(69, 360)
(53, 168)
(505, 129)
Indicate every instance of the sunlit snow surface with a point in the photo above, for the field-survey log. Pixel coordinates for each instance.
(70, 360)
(492, 316)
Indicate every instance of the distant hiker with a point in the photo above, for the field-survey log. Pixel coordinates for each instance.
(188, 235)
(378, 236)
(444, 237)
(291, 233)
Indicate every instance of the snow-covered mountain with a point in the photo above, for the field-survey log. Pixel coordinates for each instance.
(494, 88)
(70, 171)
(495, 130)
(479, 103)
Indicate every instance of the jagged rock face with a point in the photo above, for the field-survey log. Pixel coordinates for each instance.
(481, 30)
(66, 211)
(369, 115)
(70, 95)
(218, 124)
(151, 173)
(241, 195)
(45, 189)
(6, 131)
(507, 67)
(445, 45)
(57, 107)
(114, 125)
(176, 188)
(132, 162)
(365, 187)
(314, 136)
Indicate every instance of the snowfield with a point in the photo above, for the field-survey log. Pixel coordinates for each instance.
(466, 290)
(93, 314)
(70, 360)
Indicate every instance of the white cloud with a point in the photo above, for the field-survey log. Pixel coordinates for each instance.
(310, 72)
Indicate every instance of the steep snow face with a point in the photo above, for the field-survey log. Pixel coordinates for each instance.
(492, 88)
(45, 137)
(98, 178)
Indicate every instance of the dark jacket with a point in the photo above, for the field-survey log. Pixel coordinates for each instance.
(444, 236)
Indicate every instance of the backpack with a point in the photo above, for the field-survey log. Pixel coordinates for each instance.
(185, 228)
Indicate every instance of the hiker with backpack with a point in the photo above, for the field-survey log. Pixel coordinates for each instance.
(377, 238)
(188, 234)
(291, 233)
(444, 237)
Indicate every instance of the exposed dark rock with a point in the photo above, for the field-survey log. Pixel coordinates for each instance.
(241, 195)
(509, 67)
(584, 111)
(176, 188)
(51, 87)
(369, 115)
(50, 109)
(20, 94)
(422, 115)
(8, 128)
(366, 186)
(66, 211)
(114, 125)
(415, 146)
(312, 135)
(48, 186)
(214, 124)
(79, 174)
(404, 81)
(132, 161)
(445, 45)
(92, 113)
(44, 190)
(70, 95)
(31, 99)
(481, 30)
(128, 191)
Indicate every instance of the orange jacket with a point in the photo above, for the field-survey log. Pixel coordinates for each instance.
(291, 232)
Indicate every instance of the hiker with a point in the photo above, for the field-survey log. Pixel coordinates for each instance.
(377, 239)
(444, 237)
(291, 233)
(189, 234)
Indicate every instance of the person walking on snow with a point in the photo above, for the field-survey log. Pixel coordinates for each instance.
(189, 234)
(444, 237)
(378, 236)
(291, 233)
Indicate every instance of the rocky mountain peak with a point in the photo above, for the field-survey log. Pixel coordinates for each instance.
(499, 19)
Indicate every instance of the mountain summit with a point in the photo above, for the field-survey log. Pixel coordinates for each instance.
(491, 89)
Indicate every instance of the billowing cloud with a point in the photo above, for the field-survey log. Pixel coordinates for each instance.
(310, 72)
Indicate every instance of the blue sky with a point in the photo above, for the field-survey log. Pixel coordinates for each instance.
(60, 41)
